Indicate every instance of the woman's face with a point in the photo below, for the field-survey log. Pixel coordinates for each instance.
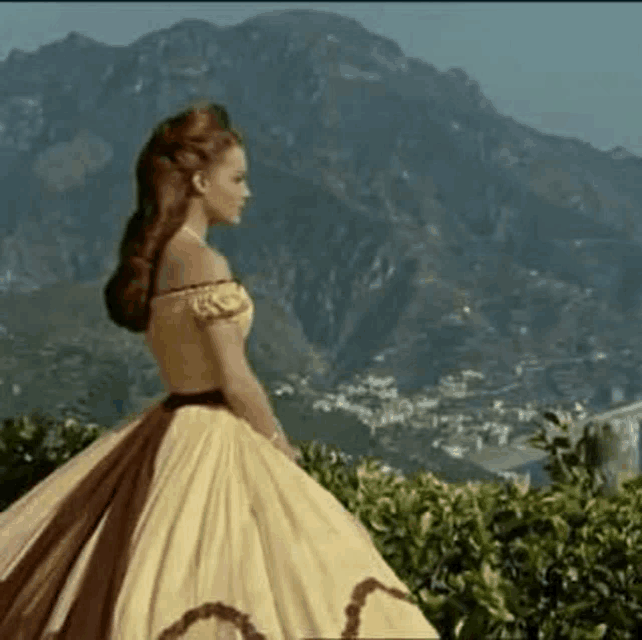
(224, 189)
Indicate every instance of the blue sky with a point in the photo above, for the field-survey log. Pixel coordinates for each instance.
(572, 69)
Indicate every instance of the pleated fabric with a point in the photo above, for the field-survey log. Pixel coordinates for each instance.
(187, 523)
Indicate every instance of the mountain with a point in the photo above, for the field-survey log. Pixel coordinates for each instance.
(400, 224)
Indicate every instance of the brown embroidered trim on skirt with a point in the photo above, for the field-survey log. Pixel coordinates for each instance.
(241, 620)
(118, 486)
(358, 600)
(212, 610)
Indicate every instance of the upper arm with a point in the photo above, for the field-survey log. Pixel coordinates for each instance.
(224, 336)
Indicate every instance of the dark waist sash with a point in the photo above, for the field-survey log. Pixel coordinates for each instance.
(177, 400)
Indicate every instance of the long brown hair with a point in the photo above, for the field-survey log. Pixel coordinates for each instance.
(193, 140)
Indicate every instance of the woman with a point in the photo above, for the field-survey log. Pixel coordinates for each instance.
(192, 520)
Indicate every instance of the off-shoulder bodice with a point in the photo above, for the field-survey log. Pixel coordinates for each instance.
(176, 337)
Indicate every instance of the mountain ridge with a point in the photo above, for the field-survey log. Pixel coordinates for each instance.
(398, 217)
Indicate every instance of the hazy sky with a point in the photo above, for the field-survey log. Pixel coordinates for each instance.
(571, 69)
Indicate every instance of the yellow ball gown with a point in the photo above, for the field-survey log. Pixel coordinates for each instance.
(184, 522)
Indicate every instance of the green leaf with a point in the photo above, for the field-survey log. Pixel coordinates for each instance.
(474, 624)
(572, 610)
(425, 523)
(377, 525)
(597, 633)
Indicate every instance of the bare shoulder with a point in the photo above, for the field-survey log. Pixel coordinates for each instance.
(209, 266)
(185, 264)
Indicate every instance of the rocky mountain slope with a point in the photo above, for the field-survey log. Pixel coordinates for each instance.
(400, 224)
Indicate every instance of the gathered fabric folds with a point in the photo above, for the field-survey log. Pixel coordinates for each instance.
(187, 523)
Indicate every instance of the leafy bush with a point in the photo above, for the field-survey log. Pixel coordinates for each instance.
(493, 561)
(34, 445)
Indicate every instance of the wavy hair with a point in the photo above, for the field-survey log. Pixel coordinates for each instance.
(193, 140)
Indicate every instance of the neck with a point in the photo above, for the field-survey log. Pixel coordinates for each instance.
(194, 234)
(196, 224)
(195, 230)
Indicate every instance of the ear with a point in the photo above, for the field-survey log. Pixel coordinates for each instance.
(198, 182)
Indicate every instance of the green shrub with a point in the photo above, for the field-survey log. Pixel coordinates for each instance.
(492, 561)
(34, 445)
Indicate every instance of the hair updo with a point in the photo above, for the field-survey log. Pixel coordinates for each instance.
(193, 140)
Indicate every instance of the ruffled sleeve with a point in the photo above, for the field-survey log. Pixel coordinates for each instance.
(211, 303)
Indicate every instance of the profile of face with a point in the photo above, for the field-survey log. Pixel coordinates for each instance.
(222, 190)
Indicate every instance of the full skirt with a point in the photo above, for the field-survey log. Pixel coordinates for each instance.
(187, 523)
